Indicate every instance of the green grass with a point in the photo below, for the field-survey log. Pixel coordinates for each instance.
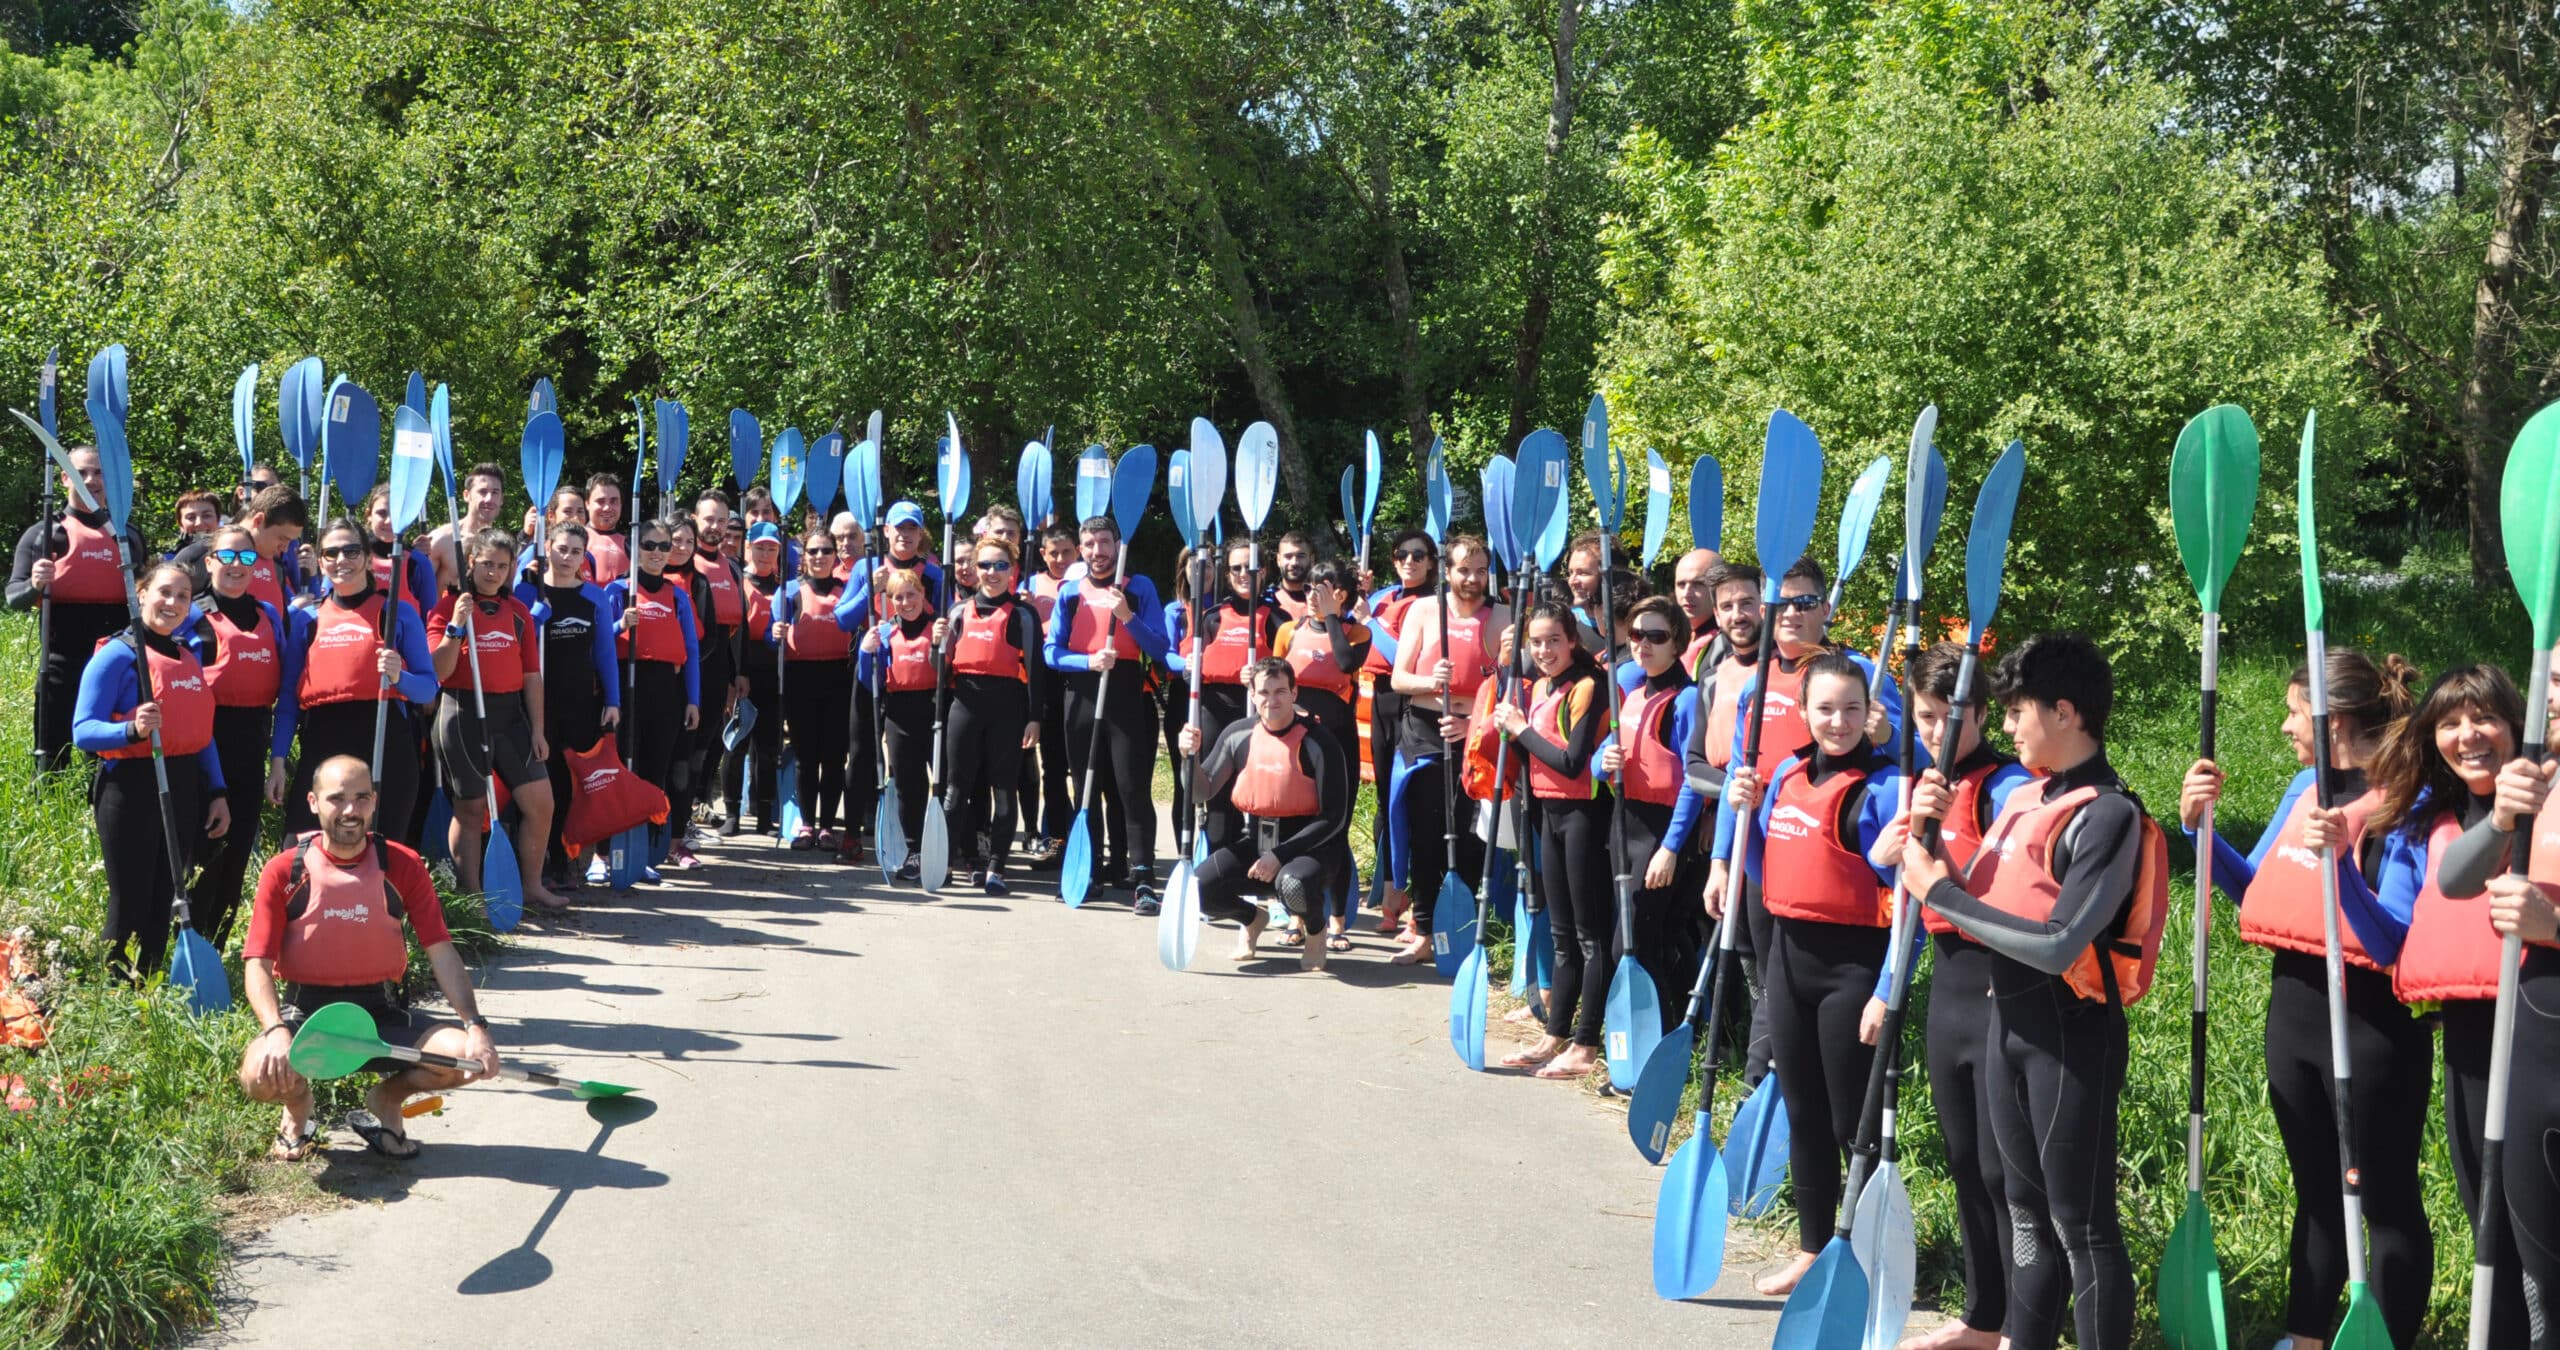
(111, 1187)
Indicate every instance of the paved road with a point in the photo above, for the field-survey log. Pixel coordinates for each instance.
(877, 1119)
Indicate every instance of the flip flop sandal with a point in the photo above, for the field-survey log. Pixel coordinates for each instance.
(287, 1148)
(1337, 943)
(381, 1138)
(1293, 938)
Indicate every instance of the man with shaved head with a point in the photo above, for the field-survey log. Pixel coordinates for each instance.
(71, 560)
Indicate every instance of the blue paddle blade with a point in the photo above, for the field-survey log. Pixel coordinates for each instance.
(1790, 494)
(1435, 494)
(1369, 469)
(1351, 503)
(1757, 1149)
(1880, 1240)
(298, 404)
(416, 398)
(538, 453)
(623, 867)
(197, 968)
(786, 794)
(790, 471)
(49, 392)
(1632, 1021)
(1986, 546)
(1093, 482)
(1496, 484)
(1655, 1103)
(1453, 924)
(889, 832)
(825, 470)
(933, 855)
(1177, 917)
(1031, 485)
(1599, 469)
(862, 482)
(1257, 472)
(499, 878)
(1858, 520)
(1177, 493)
(746, 448)
(1133, 481)
(1706, 503)
(1657, 505)
(543, 398)
(1924, 504)
(115, 461)
(351, 441)
(1467, 998)
(244, 413)
(413, 461)
(1537, 491)
(1689, 1220)
(1208, 478)
(107, 380)
(954, 479)
(1828, 1310)
(1075, 866)
(741, 724)
(674, 436)
(434, 843)
(440, 426)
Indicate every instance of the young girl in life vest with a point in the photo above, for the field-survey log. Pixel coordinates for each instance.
(239, 638)
(1557, 735)
(357, 651)
(2448, 826)
(1960, 1007)
(488, 655)
(998, 681)
(2278, 887)
(2069, 891)
(817, 691)
(763, 551)
(897, 655)
(1820, 818)
(661, 659)
(1643, 758)
(137, 683)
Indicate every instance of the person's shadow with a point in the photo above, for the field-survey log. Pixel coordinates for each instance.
(523, 1266)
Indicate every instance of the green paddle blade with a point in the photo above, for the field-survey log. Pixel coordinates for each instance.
(2529, 513)
(2361, 1328)
(2191, 1314)
(2213, 493)
(334, 1042)
(2314, 613)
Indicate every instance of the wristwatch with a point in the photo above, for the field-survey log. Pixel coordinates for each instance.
(475, 1020)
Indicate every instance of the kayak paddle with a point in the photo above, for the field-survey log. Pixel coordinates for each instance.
(1657, 505)
(341, 1039)
(1632, 1012)
(2213, 494)
(1857, 522)
(244, 416)
(1195, 485)
(1031, 488)
(952, 478)
(1690, 1207)
(746, 452)
(2362, 1328)
(1123, 490)
(2529, 516)
(790, 474)
(1706, 503)
(1470, 991)
(1452, 937)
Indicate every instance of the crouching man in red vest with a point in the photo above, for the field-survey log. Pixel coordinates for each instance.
(327, 922)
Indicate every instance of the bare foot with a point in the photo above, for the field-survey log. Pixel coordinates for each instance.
(1311, 958)
(1547, 1048)
(1251, 938)
(1953, 1336)
(545, 899)
(1523, 1013)
(1784, 1281)
(1415, 951)
(1576, 1062)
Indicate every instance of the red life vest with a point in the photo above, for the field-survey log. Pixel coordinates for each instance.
(815, 634)
(1648, 769)
(983, 643)
(2284, 904)
(1693, 660)
(1044, 593)
(1386, 618)
(1471, 647)
(89, 572)
(178, 684)
(1549, 703)
(728, 607)
(264, 584)
(1961, 831)
(1310, 650)
(2013, 873)
(501, 632)
(606, 797)
(1293, 608)
(1807, 871)
(1085, 632)
(606, 558)
(1225, 662)
(759, 611)
(342, 920)
(657, 627)
(247, 669)
(1273, 784)
(341, 666)
(1782, 728)
(2452, 951)
(382, 570)
(910, 659)
(1724, 699)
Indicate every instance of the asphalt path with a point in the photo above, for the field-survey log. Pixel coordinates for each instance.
(877, 1118)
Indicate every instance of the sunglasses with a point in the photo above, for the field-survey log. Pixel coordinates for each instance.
(1797, 602)
(817, 553)
(236, 557)
(656, 546)
(1413, 555)
(1660, 637)
(337, 551)
(994, 565)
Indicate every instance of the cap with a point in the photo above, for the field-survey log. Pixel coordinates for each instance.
(762, 531)
(907, 513)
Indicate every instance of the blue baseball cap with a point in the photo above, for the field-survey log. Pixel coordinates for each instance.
(762, 531)
(907, 513)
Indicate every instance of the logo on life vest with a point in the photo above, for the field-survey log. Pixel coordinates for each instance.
(2299, 856)
(252, 656)
(354, 914)
(598, 780)
(345, 635)
(189, 682)
(1794, 819)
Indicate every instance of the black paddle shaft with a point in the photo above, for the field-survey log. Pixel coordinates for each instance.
(1502, 775)
(942, 659)
(1448, 769)
(1722, 955)
(1884, 1069)
(1621, 880)
(44, 615)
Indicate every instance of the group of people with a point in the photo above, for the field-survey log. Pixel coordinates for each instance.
(1726, 761)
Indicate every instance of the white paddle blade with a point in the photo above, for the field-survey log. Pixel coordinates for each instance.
(1882, 1243)
(934, 865)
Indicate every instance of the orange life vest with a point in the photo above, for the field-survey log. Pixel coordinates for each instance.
(606, 559)
(1648, 769)
(910, 659)
(815, 634)
(1273, 784)
(342, 920)
(1310, 651)
(1961, 831)
(1237, 638)
(1388, 618)
(263, 583)
(2285, 900)
(760, 609)
(1724, 707)
(1551, 704)
(2013, 873)
(178, 684)
(983, 643)
(340, 666)
(728, 606)
(657, 629)
(2451, 952)
(1471, 648)
(501, 632)
(89, 572)
(1807, 871)
(248, 667)
(1094, 625)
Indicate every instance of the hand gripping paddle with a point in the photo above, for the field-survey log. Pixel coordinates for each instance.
(2213, 494)
(1196, 484)
(340, 1039)
(1632, 1011)
(1690, 1208)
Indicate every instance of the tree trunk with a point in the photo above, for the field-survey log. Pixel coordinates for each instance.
(1244, 324)
(2528, 128)
(1411, 402)
(1528, 346)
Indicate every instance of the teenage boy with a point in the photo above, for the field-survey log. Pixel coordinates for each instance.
(2068, 891)
(1104, 619)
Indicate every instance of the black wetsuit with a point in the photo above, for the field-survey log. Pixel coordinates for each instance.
(1313, 850)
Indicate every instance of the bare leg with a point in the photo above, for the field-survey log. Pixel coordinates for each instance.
(532, 840)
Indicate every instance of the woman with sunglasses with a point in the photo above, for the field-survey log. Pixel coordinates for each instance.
(654, 615)
(897, 654)
(490, 726)
(1417, 569)
(581, 680)
(817, 690)
(1556, 735)
(997, 678)
(138, 682)
(765, 557)
(1326, 650)
(354, 650)
(1643, 762)
(239, 640)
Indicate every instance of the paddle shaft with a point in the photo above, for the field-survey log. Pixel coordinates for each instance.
(1875, 1138)
(2491, 1232)
(1101, 705)
(1502, 775)
(2209, 697)
(1730, 921)
(436, 1061)
(1200, 580)
(2351, 1190)
(469, 603)
(942, 658)
(1448, 771)
(159, 760)
(390, 619)
(1621, 880)
(44, 614)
